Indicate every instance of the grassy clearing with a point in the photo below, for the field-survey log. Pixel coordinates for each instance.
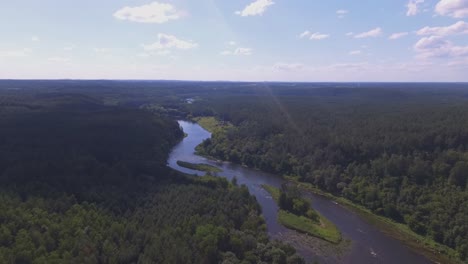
(199, 167)
(325, 229)
(423, 245)
(211, 124)
(274, 192)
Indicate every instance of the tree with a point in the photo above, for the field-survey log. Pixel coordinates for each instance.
(459, 174)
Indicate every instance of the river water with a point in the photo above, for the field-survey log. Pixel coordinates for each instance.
(367, 244)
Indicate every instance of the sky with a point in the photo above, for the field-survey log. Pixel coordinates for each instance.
(235, 40)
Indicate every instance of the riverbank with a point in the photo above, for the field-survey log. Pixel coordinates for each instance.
(362, 241)
(424, 246)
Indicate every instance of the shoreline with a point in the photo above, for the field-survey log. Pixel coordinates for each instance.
(398, 231)
(432, 250)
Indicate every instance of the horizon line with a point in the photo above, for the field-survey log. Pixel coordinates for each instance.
(230, 81)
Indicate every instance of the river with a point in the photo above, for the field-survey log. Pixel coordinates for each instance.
(366, 243)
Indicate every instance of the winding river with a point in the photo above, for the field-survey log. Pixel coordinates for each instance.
(367, 244)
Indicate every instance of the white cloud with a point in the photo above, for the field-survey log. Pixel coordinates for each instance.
(256, 8)
(349, 34)
(319, 36)
(305, 34)
(154, 12)
(355, 52)
(280, 66)
(413, 7)
(370, 34)
(360, 66)
(436, 46)
(342, 13)
(237, 52)
(35, 39)
(460, 27)
(170, 42)
(15, 53)
(148, 54)
(69, 48)
(430, 43)
(313, 36)
(453, 8)
(243, 51)
(398, 35)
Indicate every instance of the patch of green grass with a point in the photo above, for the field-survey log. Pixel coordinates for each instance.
(323, 228)
(199, 167)
(211, 124)
(424, 245)
(274, 192)
(326, 230)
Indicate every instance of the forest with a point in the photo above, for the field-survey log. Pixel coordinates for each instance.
(87, 160)
(84, 179)
(400, 151)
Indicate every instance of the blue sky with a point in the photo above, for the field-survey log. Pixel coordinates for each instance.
(238, 40)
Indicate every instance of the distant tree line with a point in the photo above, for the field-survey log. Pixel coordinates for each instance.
(401, 153)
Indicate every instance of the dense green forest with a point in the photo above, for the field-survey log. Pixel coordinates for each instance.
(84, 179)
(399, 151)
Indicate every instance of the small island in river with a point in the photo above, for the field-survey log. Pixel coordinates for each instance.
(199, 167)
(296, 213)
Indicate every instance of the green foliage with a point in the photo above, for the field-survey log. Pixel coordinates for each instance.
(402, 232)
(459, 174)
(76, 145)
(83, 182)
(399, 152)
(290, 199)
(167, 227)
